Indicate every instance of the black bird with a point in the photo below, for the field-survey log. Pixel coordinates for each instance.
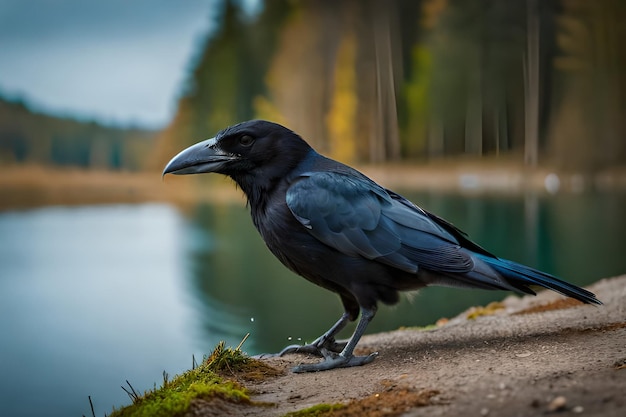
(342, 231)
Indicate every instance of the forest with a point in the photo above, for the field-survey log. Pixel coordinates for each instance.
(374, 81)
(377, 81)
(27, 136)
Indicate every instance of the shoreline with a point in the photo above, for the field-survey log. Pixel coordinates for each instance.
(28, 186)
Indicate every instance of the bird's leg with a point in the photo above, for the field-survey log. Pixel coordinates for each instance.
(346, 358)
(327, 342)
(322, 346)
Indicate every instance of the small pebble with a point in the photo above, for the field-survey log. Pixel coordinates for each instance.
(578, 409)
(557, 404)
(484, 411)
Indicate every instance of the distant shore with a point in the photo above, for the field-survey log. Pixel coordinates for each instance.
(25, 186)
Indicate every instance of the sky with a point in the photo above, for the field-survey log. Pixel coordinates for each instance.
(120, 62)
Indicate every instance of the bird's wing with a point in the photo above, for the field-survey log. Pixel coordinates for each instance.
(357, 217)
(457, 233)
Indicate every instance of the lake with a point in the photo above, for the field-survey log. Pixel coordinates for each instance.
(92, 296)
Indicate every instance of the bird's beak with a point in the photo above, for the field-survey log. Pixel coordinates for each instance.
(198, 158)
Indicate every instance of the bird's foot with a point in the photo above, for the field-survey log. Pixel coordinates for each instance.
(322, 347)
(335, 361)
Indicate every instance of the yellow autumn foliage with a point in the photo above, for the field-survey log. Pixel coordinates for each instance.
(341, 117)
(267, 110)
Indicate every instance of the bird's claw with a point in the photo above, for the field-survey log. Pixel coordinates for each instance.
(321, 347)
(335, 361)
(311, 348)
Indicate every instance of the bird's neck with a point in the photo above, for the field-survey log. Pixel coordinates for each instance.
(257, 192)
(265, 183)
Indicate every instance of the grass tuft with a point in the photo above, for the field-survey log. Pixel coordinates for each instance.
(226, 359)
(203, 381)
(318, 410)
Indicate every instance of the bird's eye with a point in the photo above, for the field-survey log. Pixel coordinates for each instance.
(246, 140)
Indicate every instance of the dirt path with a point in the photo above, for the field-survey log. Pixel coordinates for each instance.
(516, 361)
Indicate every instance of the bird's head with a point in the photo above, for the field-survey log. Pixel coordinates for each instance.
(252, 148)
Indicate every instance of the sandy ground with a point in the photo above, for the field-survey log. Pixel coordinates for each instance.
(535, 356)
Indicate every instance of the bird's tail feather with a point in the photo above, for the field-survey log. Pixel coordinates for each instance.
(521, 276)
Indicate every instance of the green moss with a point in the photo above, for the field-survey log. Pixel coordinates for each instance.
(318, 410)
(419, 328)
(488, 310)
(174, 397)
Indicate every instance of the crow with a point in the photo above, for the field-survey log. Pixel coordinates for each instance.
(332, 225)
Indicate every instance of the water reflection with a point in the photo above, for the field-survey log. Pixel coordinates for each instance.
(262, 296)
(574, 236)
(91, 296)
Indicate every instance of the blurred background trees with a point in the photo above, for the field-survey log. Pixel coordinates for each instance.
(31, 137)
(543, 81)
(378, 80)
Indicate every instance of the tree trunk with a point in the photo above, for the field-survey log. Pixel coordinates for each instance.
(531, 86)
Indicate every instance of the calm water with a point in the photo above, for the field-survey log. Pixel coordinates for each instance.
(93, 296)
